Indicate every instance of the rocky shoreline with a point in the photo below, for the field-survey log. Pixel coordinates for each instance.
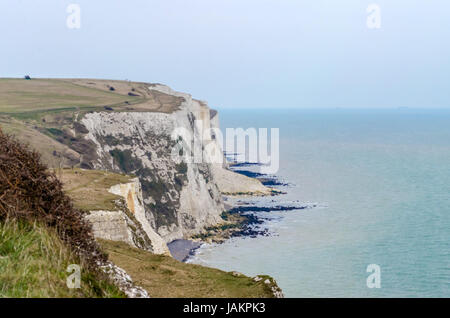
(242, 217)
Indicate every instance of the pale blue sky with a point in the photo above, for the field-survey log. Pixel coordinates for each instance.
(242, 53)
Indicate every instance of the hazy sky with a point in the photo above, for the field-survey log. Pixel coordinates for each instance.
(242, 53)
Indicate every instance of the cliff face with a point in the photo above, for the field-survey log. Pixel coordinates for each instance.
(179, 198)
(127, 222)
(136, 129)
(132, 194)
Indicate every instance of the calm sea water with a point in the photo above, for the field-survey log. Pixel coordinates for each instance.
(382, 182)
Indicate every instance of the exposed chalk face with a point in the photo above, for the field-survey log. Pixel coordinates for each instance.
(177, 199)
(132, 192)
(110, 225)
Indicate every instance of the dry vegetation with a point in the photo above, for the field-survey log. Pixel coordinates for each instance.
(41, 233)
(89, 188)
(46, 145)
(29, 192)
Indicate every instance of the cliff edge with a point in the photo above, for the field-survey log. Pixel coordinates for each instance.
(132, 128)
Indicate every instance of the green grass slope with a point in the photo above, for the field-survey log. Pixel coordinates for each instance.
(21, 96)
(163, 276)
(34, 261)
(26, 98)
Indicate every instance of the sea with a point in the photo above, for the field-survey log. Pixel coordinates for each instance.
(377, 183)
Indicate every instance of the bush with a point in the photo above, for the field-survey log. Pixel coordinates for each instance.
(182, 167)
(29, 192)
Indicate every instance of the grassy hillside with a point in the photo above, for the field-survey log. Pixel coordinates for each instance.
(45, 112)
(163, 276)
(88, 189)
(25, 98)
(20, 96)
(33, 263)
(41, 233)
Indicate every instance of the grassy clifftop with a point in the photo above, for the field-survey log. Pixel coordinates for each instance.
(45, 112)
(163, 276)
(89, 188)
(28, 98)
(22, 96)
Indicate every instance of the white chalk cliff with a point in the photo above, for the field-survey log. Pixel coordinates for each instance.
(127, 223)
(178, 198)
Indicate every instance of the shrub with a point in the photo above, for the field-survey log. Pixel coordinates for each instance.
(125, 160)
(182, 167)
(28, 191)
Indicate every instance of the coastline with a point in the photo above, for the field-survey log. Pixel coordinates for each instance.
(240, 218)
(182, 249)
